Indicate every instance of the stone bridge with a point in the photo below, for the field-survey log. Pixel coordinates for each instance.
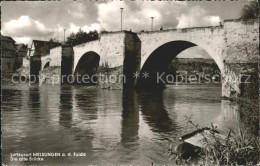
(233, 46)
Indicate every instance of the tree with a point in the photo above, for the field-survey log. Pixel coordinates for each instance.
(71, 38)
(54, 40)
(174, 66)
(81, 37)
(250, 11)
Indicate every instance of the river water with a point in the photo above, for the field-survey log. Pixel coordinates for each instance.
(107, 125)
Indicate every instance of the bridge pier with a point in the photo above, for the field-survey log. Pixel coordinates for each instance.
(240, 80)
(35, 67)
(116, 50)
(241, 57)
(67, 63)
(132, 59)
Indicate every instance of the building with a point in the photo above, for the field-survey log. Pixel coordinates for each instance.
(21, 55)
(41, 48)
(38, 50)
(12, 54)
(8, 54)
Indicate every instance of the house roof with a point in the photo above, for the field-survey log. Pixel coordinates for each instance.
(7, 38)
(21, 47)
(7, 43)
(43, 47)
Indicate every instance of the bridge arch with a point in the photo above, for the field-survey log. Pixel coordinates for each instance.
(160, 58)
(213, 48)
(88, 64)
(47, 64)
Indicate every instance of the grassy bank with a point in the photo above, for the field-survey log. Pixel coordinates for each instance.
(237, 148)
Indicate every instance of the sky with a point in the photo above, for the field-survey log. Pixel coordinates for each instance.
(42, 20)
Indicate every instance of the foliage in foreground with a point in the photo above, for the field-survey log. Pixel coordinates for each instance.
(250, 11)
(239, 148)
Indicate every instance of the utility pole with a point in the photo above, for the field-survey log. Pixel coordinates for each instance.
(121, 18)
(64, 35)
(152, 23)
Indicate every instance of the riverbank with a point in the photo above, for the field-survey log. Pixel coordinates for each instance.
(235, 148)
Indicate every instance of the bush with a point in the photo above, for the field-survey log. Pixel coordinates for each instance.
(250, 11)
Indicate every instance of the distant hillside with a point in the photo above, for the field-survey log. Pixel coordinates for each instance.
(195, 64)
(188, 60)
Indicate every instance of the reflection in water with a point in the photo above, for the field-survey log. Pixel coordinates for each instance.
(86, 102)
(130, 118)
(110, 127)
(7, 96)
(65, 106)
(34, 103)
(154, 112)
(34, 98)
(241, 115)
(229, 109)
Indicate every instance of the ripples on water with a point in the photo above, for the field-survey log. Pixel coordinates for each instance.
(110, 126)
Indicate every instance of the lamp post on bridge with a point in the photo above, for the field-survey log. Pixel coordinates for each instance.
(64, 36)
(152, 23)
(121, 18)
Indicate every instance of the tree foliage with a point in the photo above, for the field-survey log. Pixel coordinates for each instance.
(81, 37)
(250, 11)
(54, 40)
